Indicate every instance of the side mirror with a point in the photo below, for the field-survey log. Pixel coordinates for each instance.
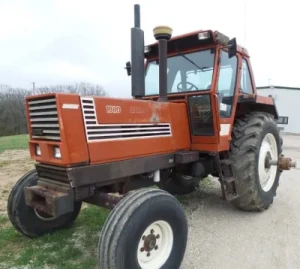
(232, 48)
(128, 68)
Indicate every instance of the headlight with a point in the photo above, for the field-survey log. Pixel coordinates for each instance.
(203, 35)
(38, 150)
(56, 152)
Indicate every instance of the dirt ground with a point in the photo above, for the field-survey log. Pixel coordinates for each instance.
(13, 164)
(220, 236)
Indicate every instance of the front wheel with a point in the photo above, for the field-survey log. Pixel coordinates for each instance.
(146, 230)
(32, 222)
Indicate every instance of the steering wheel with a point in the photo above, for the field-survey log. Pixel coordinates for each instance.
(180, 89)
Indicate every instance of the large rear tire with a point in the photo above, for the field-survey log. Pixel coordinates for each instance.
(29, 221)
(147, 229)
(255, 138)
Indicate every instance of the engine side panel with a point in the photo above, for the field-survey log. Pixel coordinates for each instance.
(119, 129)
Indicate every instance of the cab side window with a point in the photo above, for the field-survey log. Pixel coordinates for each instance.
(226, 83)
(246, 83)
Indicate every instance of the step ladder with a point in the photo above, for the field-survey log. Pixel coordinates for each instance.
(226, 176)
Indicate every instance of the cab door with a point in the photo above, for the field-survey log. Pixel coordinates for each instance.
(227, 85)
(204, 118)
(204, 114)
(213, 132)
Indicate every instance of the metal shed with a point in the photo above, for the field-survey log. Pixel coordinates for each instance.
(288, 106)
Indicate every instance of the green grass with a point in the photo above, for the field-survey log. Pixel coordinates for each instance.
(73, 248)
(13, 142)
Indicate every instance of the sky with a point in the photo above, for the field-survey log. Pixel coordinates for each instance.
(66, 41)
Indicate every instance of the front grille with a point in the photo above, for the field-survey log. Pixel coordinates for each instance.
(44, 118)
(52, 173)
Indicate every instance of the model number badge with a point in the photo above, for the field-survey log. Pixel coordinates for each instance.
(136, 110)
(113, 109)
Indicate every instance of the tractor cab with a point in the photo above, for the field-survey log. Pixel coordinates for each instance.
(198, 61)
(201, 70)
(207, 71)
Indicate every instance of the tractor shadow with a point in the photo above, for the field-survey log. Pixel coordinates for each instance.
(208, 197)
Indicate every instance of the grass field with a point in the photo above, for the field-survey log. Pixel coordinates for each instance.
(13, 142)
(73, 248)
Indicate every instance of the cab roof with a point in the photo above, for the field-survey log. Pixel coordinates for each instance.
(193, 40)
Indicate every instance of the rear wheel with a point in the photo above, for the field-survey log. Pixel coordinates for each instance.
(32, 222)
(146, 230)
(255, 141)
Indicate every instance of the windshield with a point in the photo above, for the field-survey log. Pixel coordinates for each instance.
(186, 72)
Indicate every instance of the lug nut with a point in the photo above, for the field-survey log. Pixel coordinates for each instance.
(142, 249)
(156, 247)
(152, 231)
(144, 237)
(158, 236)
(148, 254)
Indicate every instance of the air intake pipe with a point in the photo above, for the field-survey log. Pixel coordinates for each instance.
(162, 34)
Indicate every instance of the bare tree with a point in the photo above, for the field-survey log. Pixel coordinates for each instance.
(12, 103)
(82, 88)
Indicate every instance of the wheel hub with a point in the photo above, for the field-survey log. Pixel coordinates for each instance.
(268, 152)
(155, 245)
(150, 242)
(267, 160)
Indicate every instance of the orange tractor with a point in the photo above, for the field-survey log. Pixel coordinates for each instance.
(194, 112)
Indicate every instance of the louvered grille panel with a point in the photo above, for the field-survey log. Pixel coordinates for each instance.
(106, 132)
(43, 117)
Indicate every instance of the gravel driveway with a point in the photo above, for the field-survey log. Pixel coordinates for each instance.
(221, 236)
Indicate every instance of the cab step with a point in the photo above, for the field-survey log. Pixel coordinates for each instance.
(226, 177)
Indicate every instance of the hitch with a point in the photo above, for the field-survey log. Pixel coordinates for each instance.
(284, 163)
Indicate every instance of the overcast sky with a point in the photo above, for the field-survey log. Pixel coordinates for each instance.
(66, 41)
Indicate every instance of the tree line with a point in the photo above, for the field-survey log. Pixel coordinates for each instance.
(12, 103)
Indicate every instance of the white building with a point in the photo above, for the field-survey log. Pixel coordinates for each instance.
(288, 105)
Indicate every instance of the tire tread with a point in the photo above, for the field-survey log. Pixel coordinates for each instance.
(119, 217)
(243, 151)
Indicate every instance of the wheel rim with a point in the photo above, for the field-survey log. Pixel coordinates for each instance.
(43, 216)
(155, 245)
(268, 151)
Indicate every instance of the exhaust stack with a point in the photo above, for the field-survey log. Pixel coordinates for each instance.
(137, 57)
(137, 16)
(163, 34)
